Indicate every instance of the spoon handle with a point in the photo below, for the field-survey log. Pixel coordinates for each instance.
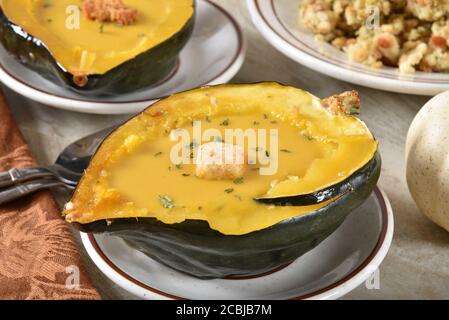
(17, 176)
(22, 190)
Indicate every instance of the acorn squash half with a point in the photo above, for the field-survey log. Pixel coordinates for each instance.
(55, 39)
(245, 225)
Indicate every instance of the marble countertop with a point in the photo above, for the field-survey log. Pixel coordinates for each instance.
(417, 265)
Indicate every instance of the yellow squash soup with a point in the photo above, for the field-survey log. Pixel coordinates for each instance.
(133, 174)
(95, 47)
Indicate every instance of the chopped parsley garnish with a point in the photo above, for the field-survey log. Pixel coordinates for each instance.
(47, 4)
(157, 154)
(101, 28)
(229, 190)
(192, 145)
(166, 202)
(178, 166)
(186, 175)
(225, 123)
(308, 137)
(239, 180)
(286, 151)
(354, 110)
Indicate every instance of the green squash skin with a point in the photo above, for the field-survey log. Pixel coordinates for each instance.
(160, 62)
(311, 198)
(194, 248)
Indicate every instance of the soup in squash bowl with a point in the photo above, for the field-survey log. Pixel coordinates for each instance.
(230, 179)
(97, 46)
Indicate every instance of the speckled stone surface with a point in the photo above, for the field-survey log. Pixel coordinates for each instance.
(417, 265)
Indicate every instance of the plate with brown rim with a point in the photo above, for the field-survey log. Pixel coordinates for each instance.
(278, 22)
(345, 260)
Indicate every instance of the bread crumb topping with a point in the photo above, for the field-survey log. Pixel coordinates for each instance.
(109, 11)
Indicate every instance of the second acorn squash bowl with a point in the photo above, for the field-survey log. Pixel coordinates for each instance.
(219, 228)
(93, 58)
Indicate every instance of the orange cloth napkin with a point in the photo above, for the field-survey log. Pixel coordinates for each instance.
(38, 256)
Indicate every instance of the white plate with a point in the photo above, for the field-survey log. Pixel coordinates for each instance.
(338, 265)
(278, 22)
(213, 55)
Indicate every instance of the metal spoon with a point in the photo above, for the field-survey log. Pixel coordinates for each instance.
(65, 172)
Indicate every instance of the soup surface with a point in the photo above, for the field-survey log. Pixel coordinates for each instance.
(147, 167)
(150, 174)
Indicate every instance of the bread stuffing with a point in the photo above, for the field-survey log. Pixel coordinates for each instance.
(412, 35)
